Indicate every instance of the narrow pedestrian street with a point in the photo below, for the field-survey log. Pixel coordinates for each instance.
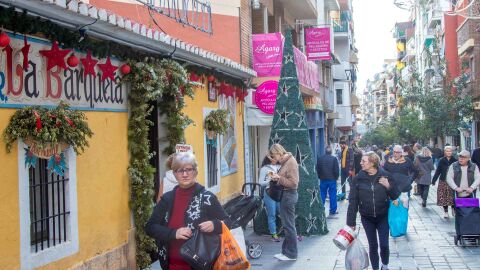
(428, 244)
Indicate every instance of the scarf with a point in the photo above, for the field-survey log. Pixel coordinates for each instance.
(344, 157)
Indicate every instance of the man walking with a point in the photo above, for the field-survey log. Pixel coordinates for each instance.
(346, 163)
(463, 176)
(328, 172)
(476, 156)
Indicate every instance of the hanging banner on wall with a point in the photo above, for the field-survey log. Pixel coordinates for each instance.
(267, 60)
(267, 54)
(34, 71)
(266, 96)
(317, 43)
(228, 141)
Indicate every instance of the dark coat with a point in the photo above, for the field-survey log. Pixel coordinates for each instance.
(327, 167)
(442, 169)
(349, 164)
(157, 224)
(370, 197)
(476, 157)
(404, 172)
(424, 166)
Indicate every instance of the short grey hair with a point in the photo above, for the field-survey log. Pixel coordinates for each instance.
(448, 147)
(398, 148)
(182, 159)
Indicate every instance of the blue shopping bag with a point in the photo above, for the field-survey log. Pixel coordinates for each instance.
(397, 218)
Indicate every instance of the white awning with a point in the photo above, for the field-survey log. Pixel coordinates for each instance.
(255, 117)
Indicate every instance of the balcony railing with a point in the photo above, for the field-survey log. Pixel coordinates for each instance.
(340, 26)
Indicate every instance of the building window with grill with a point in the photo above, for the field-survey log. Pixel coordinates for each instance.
(339, 93)
(212, 159)
(48, 211)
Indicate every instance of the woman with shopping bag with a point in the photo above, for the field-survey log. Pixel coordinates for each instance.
(372, 189)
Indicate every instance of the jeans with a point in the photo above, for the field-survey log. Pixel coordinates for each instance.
(273, 208)
(330, 186)
(344, 173)
(372, 225)
(287, 212)
(423, 191)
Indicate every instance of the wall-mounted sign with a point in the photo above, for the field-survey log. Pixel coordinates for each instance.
(266, 96)
(182, 148)
(317, 43)
(267, 54)
(44, 82)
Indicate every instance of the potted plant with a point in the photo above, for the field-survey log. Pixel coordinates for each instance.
(48, 132)
(216, 122)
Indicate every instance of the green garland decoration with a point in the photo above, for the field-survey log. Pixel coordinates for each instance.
(48, 126)
(21, 22)
(151, 80)
(217, 121)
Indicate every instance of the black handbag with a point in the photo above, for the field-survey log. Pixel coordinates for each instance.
(275, 191)
(202, 249)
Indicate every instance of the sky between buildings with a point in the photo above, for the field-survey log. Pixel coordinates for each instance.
(374, 21)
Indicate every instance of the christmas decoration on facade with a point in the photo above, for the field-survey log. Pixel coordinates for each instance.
(290, 130)
(55, 56)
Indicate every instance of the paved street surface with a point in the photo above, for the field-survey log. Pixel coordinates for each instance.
(428, 244)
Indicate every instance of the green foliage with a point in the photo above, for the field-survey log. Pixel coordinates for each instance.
(172, 103)
(217, 121)
(59, 125)
(444, 108)
(165, 82)
(381, 135)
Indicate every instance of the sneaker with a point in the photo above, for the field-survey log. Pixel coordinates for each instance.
(299, 237)
(424, 204)
(282, 257)
(384, 267)
(335, 213)
(445, 215)
(275, 238)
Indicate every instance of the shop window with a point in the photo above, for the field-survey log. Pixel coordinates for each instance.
(339, 93)
(212, 160)
(48, 211)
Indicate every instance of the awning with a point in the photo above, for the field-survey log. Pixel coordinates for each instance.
(334, 115)
(255, 117)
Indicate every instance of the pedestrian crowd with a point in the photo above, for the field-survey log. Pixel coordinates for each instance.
(384, 181)
(375, 181)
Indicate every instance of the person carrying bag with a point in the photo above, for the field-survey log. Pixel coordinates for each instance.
(231, 255)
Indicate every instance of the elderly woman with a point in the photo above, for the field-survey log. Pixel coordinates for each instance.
(187, 207)
(444, 192)
(424, 165)
(402, 170)
(370, 193)
(288, 177)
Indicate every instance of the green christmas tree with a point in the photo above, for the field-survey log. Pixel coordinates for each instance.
(289, 128)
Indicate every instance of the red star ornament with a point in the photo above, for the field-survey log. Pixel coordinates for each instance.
(25, 50)
(55, 56)
(241, 94)
(108, 70)
(222, 89)
(88, 65)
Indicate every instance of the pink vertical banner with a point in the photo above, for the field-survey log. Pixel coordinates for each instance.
(267, 54)
(317, 43)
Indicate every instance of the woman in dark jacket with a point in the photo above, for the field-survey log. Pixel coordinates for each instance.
(424, 165)
(370, 194)
(402, 170)
(444, 192)
(187, 207)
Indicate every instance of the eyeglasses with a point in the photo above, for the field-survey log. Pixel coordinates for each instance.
(398, 152)
(187, 170)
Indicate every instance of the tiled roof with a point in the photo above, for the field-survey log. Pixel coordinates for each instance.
(117, 21)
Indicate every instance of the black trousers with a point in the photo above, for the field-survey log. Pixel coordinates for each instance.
(372, 227)
(423, 191)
